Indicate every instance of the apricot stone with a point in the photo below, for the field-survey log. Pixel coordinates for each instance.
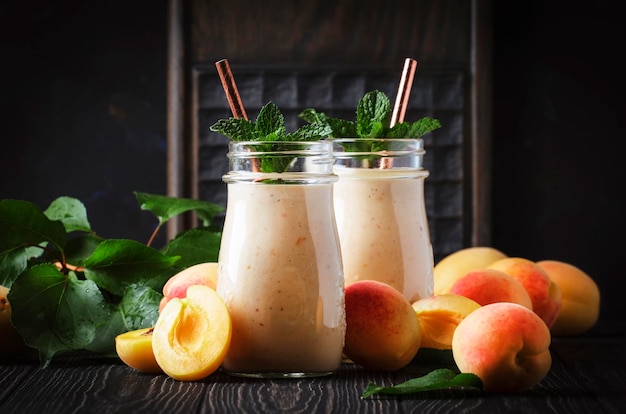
(505, 344)
(382, 329)
(459, 263)
(580, 304)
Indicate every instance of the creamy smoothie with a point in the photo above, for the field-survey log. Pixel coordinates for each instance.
(383, 229)
(280, 274)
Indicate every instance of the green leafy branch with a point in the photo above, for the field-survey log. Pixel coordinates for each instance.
(72, 290)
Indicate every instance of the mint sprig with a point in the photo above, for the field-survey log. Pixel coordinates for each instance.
(269, 126)
(373, 117)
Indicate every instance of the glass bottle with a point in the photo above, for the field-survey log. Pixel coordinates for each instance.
(280, 270)
(381, 214)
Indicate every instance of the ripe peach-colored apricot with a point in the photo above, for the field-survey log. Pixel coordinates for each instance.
(580, 305)
(192, 335)
(439, 316)
(487, 286)
(199, 274)
(457, 264)
(505, 344)
(545, 296)
(134, 348)
(11, 342)
(382, 329)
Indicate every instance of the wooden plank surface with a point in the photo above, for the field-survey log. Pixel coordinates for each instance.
(588, 375)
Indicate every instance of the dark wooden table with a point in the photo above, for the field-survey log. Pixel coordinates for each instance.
(588, 375)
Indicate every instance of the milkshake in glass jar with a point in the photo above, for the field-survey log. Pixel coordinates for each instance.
(280, 269)
(381, 214)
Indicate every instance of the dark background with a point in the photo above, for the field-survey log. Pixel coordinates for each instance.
(83, 109)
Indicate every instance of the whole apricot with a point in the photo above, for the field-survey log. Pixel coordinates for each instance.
(457, 264)
(580, 303)
(505, 344)
(11, 342)
(382, 329)
(487, 286)
(199, 274)
(544, 294)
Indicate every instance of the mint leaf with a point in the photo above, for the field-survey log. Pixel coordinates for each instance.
(237, 129)
(270, 126)
(270, 123)
(373, 117)
(309, 132)
(435, 380)
(71, 212)
(416, 129)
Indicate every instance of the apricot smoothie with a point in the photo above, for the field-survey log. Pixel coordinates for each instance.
(381, 219)
(280, 274)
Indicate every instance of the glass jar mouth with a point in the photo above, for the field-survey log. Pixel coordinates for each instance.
(381, 153)
(348, 147)
(253, 149)
(296, 159)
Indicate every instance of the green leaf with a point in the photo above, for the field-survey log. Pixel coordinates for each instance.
(416, 129)
(139, 308)
(373, 118)
(56, 313)
(78, 249)
(103, 342)
(71, 212)
(12, 264)
(310, 132)
(164, 208)
(343, 128)
(270, 123)
(373, 111)
(237, 129)
(23, 224)
(435, 380)
(116, 264)
(311, 116)
(194, 246)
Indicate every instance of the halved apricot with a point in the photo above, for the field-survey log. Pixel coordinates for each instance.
(135, 349)
(439, 316)
(192, 334)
